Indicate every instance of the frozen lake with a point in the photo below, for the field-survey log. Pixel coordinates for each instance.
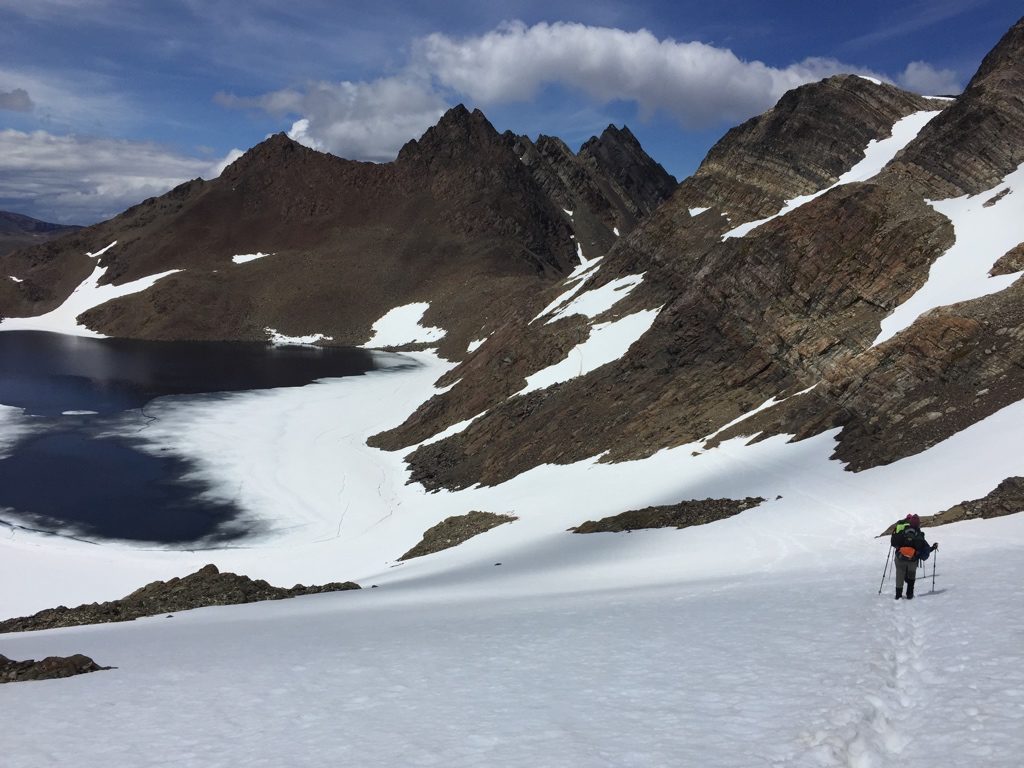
(66, 473)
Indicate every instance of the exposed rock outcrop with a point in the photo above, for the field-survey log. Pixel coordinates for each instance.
(207, 586)
(1007, 498)
(453, 531)
(50, 668)
(681, 515)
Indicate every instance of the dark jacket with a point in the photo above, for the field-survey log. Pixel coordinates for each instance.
(906, 535)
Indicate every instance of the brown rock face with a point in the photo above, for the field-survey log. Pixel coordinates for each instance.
(207, 586)
(50, 668)
(610, 184)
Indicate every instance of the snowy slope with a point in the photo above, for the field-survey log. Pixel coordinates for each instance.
(801, 665)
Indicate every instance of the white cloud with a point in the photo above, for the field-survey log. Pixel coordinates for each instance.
(922, 77)
(365, 120)
(71, 179)
(699, 84)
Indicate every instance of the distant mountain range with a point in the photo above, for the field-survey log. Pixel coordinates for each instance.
(795, 270)
(17, 231)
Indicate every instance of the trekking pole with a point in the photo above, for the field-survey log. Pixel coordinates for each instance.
(884, 570)
(935, 562)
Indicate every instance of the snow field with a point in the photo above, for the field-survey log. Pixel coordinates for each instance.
(805, 668)
(877, 155)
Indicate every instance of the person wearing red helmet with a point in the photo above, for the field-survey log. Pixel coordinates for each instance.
(911, 548)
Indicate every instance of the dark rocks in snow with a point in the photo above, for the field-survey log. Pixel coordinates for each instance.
(206, 587)
(454, 531)
(681, 515)
(50, 668)
(1007, 498)
(1010, 262)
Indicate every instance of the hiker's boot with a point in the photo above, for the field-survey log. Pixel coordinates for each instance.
(910, 590)
(899, 593)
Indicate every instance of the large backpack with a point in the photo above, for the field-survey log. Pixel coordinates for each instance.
(906, 541)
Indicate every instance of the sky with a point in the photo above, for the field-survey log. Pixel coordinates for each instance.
(106, 102)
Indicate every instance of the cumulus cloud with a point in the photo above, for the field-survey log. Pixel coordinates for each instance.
(16, 101)
(71, 179)
(922, 77)
(700, 84)
(364, 120)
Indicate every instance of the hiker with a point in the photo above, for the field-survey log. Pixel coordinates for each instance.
(910, 546)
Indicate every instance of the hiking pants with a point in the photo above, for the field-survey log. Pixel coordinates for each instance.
(906, 570)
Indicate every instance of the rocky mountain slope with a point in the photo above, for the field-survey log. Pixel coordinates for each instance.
(745, 314)
(457, 221)
(17, 231)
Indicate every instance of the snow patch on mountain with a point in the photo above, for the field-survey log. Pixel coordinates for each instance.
(983, 234)
(607, 342)
(64, 319)
(475, 344)
(247, 257)
(877, 155)
(598, 300)
(401, 326)
(16, 279)
(698, 211)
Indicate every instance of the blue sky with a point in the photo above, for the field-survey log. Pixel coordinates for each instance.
(105, 102)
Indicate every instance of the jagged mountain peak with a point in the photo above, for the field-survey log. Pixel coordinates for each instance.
(458, 130)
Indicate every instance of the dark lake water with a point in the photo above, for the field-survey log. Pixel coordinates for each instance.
(69, 476)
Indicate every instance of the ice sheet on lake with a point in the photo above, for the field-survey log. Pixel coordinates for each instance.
(983, 234)
(877, 155)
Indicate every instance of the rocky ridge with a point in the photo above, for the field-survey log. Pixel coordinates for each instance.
(207, 586)
(794, 304)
